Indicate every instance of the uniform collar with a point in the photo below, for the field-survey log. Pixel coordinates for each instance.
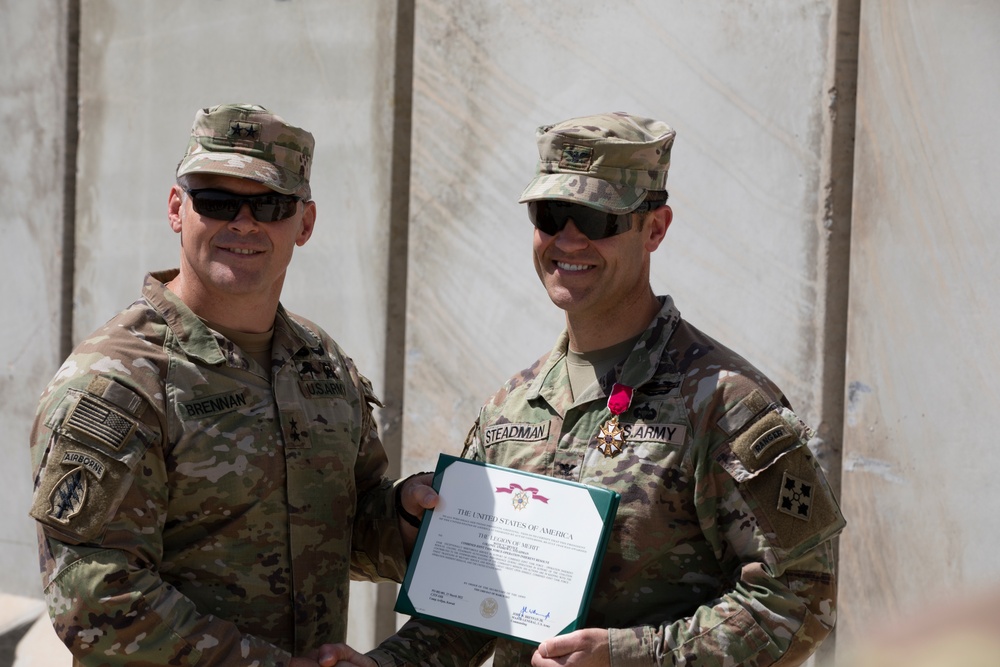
(194, 338)
(639, 368)
(199, 342)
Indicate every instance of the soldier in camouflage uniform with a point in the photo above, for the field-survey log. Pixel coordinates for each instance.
(208, 475)
(721, 550)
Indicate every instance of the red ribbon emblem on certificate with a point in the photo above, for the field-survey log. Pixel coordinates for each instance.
(521, 498)
(611, 440)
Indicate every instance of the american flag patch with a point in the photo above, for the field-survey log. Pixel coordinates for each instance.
(100, 422)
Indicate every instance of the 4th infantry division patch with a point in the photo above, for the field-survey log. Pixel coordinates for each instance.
(795, 497)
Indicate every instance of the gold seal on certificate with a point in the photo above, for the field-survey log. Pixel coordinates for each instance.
(507, 552)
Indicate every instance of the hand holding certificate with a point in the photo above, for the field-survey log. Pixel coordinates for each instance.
(507, 552)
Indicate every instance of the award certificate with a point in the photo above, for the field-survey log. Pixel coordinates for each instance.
(506, 552)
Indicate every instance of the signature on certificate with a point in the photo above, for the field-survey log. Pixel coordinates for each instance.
(540, 615)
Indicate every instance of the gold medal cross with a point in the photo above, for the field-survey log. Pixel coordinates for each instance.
(611, 442)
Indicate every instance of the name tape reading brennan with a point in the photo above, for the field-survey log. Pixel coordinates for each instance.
(212, 405)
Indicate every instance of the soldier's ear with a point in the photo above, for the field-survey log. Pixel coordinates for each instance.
(175, 202)
(308, 223)
(656, 227)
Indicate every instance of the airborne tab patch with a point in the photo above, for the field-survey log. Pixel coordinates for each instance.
(82, 460)
(98, 421)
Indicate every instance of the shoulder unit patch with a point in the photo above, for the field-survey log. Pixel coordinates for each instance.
(795, 497)
(794, 503)
(68, 496)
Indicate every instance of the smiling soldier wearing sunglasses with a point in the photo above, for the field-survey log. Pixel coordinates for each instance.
(208, 474)
(721, 550)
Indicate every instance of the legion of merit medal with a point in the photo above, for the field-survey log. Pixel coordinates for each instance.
(611, 441)
(612, 438)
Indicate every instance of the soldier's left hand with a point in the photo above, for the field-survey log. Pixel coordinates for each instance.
(343, 655)
(416, 495)
(581, 648)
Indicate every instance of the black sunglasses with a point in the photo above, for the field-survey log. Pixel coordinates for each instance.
(550, 216)
(223, 205)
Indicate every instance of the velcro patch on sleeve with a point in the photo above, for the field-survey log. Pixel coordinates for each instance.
(78, 488)
(763, 441)
(92, 419)
(741, 413)
(794, 502)
(118, 394)
(95, 442)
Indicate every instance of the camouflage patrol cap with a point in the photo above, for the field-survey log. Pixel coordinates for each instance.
(248, 141)
(608, 161)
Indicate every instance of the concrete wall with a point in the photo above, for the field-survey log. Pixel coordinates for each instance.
(32, 131)
(326, 66)
(761, 252)
(34, 67)
(145, 67)
(747, 89)
(919, 481)
(761, 216)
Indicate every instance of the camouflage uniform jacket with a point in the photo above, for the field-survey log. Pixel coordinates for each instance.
(195, 508)
(721, 550)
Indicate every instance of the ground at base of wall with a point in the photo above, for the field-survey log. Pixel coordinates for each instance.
(26, 635)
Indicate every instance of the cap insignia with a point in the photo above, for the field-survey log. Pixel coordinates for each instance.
(576, 157)
(240, 130)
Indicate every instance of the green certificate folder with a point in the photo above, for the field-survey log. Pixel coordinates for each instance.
(511, 553)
